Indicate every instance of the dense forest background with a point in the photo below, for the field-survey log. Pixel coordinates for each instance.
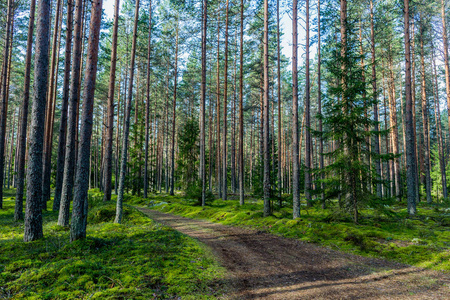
(197, 97)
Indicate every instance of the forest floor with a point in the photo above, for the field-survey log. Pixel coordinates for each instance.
(264, 266)
(138, 259)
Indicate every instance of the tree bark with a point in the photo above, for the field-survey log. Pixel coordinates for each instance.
(5, 91)
(33, 214)
(375, 103)
(446, 60)
(18, 210)
(295, 145)
(147, 102)
(72, 128)
(319, 103)
(80, 201)
(307, 116)
(202, 102)
(48, 137)
(266, 185)
(241, 114)
(280, 131)
(410, 152)
(425, 127)
(64, 107)
(225, 114)
(110, 111)
(218, 179)
(394, 130)
(126, 128)
(174, 110)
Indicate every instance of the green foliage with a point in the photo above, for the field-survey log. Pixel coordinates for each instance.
(423, 242)
(194, 192)
(188, 149)
(138, 259)
(349, 127)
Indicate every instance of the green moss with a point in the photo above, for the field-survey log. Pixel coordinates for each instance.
(138, 259)
(423, 241)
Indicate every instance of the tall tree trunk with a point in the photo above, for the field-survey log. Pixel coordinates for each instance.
(116, 166)
(280, 130)
(218, 171)
(147, 101)
(5, 91)
(426, 137)
(33, 214)
(266, 184)
(18, 210)
(437, 113)
(394, 130)
(202, 102)
(307, 117)
(241, 114)
(72, 128)
(126, 129)
(172, 174)
(110, 111)
(446, 60)
(375, 102)
(50, 110)
(413, 95)
(295, 145)
(410, 152)
(319, 103)
(64, 107)
(225, 114)
(80, 201)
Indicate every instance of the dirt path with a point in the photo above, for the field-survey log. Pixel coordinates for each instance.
(264, 266)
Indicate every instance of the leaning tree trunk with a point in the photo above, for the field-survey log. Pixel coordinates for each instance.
(33, 214)
(5, 91)
(110, 111)
(126, 128)
(80, 201)
(18, 210)
(295, 156)
(64, 107)
(266, 183)
(69, 160)
(410, 151)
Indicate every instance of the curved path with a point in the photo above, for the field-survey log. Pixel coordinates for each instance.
(264, 266)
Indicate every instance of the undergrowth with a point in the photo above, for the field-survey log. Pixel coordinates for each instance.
(422, 241)
(138, 259)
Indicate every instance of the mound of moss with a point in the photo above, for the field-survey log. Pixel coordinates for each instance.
(138, 259)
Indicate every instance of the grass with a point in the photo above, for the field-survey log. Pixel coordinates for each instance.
(422, 241)
(138, 259)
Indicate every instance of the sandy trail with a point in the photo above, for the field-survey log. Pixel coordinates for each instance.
(264, 266)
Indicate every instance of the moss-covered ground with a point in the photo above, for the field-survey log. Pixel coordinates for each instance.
(423, 241)
(138, 259)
